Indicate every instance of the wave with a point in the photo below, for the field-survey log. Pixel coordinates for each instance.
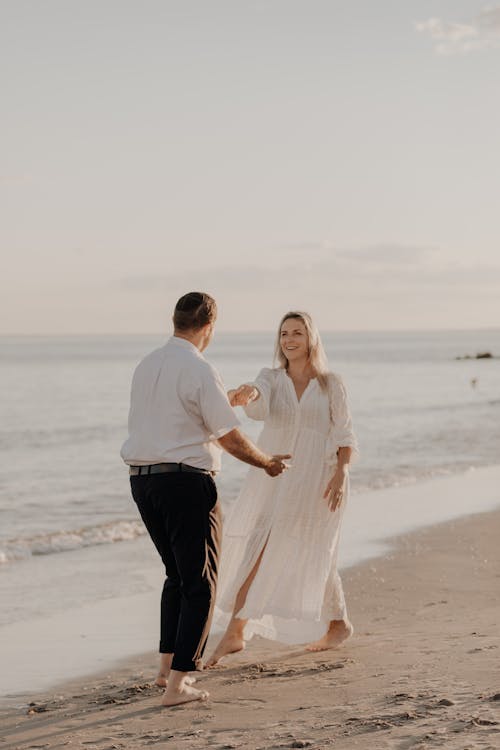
(473, 405)
(404, 476)
(63, 541)
(46, 438)
(365, 479)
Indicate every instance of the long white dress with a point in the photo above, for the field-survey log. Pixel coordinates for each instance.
(297, 589)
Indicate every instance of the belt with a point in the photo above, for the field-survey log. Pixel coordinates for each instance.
(167, 469)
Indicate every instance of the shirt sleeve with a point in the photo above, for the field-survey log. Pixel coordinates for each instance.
(217, 413)
(342, 432)
(259, 409)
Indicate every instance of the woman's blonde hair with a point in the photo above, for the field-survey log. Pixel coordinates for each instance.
(317, 357)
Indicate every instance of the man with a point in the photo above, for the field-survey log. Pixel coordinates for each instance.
(179, 419)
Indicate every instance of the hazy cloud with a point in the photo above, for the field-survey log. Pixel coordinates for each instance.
(233, 277)
(11, 180)
(451, 38)
(390, 253)
(385, 266)
(306, 246)
(350, 264)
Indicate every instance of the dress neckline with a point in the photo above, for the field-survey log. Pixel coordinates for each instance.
(299, 400)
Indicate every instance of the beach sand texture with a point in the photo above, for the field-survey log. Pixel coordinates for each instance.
(420, 672)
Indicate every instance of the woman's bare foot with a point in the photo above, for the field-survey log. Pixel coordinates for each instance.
(231, 643)
(183, 694)
(338, 632)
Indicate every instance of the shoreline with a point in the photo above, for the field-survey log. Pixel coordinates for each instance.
(99, 634)
(418, 673)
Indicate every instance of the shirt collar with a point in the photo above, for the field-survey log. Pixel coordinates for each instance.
(184, 343)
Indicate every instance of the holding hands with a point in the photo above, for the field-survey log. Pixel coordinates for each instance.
(243, 395)
(277, 465)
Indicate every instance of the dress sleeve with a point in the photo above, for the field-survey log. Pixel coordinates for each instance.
(341, 432)
(259, 409)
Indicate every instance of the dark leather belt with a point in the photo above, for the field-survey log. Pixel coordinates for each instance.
(166, 469)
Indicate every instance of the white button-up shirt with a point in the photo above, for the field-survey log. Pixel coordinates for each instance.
(178, 409)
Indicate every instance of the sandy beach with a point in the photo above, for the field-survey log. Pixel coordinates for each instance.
(421, 670)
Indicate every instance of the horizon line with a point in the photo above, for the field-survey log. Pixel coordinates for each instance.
(243, 332)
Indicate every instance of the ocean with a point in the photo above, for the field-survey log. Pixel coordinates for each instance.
(65, 505)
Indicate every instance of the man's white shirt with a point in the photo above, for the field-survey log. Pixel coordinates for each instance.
(178, 409)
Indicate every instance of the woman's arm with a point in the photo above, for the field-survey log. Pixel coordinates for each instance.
(342, 441)
(336, 486)
(255, 397)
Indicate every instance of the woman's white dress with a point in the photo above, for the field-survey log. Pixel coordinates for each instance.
(297, 589)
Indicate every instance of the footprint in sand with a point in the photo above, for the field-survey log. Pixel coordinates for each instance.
(249, 701)
(112, 740)
(482, 648)
(479, 721)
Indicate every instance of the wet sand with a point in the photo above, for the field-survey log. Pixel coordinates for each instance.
(421, 671)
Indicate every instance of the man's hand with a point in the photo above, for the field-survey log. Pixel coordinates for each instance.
(277, 465)
(243, 395)
(239, 446)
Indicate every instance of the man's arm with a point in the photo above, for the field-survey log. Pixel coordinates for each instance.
(239, 446)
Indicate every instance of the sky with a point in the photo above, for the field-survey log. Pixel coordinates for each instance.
(336, 157)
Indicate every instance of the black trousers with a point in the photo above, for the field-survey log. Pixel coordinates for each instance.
(182, 516)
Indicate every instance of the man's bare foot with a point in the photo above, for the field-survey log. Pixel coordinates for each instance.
(161, 680)
(338, 632)
(183, 694)
(231, 643)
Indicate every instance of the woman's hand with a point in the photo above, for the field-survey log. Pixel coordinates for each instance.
(243, 395)
(336, 488)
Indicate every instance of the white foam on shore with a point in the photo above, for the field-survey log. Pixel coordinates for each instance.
(63, 541)
(82, 639)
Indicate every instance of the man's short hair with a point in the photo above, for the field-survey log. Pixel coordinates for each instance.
(193, 311)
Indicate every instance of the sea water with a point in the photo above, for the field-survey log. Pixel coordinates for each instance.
(69, 531)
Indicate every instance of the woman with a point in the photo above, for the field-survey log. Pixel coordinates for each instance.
(278, 574)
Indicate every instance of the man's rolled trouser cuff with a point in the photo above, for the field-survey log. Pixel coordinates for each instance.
(166, 648)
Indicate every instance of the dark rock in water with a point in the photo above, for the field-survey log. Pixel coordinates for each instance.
(479, 355)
